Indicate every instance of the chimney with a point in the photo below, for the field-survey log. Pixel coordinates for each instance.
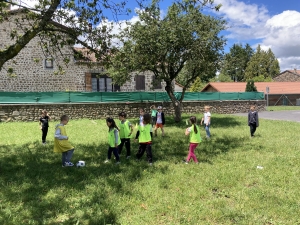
(295, 70)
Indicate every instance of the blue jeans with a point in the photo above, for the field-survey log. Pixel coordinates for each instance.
(115, 151)
(207, 130)
(66, 156)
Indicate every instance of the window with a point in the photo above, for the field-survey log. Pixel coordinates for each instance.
(156, 83)
(103, 83)
(139, 82)
(49, 63)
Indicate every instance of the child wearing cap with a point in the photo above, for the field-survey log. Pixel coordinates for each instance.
(160, 121)
(126, 130)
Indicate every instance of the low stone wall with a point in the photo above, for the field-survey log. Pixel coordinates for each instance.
(32, 112)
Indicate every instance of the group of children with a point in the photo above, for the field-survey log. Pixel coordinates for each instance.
(121, 133)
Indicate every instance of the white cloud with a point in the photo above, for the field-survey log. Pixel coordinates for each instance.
(250, 22)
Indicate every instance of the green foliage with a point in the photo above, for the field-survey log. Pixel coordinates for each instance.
(262, 63)
(261, 78)
(235, 62)
(197, 85)
(224, 188)
(221, 78)
(250, 86)
(83, 28)
(184, 43)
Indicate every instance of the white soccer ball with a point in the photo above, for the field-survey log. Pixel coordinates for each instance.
(80, 164)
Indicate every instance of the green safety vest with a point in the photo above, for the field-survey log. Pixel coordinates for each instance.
(111, 138)
(195, 138)
(145, 135)
(124, 129)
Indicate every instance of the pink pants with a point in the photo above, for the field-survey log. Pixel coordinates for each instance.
(192, 152)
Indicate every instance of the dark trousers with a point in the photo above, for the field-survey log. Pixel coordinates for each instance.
(125, 141)
(142, 149)
(115, 151)
(44, 134)
(252, 128)
(67, 156)
(153, 120)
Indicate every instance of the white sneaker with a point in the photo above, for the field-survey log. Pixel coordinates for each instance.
(128, 157)
(107, 161)
(150, 164)
(118, 162)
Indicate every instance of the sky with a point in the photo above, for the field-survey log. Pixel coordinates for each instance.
(273, 24)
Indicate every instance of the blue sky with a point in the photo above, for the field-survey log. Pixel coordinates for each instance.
(273, 24)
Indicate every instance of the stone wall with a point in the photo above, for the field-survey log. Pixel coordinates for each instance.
(32, 112)
(32, 75)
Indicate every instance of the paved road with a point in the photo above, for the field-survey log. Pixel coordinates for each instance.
(293, 115)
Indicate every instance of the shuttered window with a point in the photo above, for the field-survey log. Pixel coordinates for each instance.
(156, 83)
(139, 82)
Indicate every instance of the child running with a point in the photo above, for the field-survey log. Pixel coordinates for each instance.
(153, 114)
(126, 130)
(144, 135)
(141, 118)
(206, 119)
(61, 142)
(44, 123)
(160, 121)
(113, 140)
(195, 139)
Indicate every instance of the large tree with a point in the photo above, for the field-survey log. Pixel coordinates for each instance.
(184, 38)
(263, 65)
(60, 23)
(235, 62)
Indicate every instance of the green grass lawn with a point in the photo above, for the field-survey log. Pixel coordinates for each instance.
(226, 187)
(283, 108)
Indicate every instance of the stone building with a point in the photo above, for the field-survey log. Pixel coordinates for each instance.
(288, 76)
(35, 71)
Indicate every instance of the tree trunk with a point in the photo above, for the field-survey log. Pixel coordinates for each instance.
(176, 104)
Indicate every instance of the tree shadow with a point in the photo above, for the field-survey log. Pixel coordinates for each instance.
(223, 121)
(33, 180)
(206, 151)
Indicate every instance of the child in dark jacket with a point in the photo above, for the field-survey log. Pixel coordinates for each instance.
(253, 120)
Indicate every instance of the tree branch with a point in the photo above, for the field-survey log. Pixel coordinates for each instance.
(14, 49)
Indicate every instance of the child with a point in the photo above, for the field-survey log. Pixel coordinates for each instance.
(195, 139)
(160, 121)
(144, 135)
(153, 114)
(141, 118)
(252, 120)
(206, 120)
(126, 130)
(61, 142)
(113, 140)
(44, 124)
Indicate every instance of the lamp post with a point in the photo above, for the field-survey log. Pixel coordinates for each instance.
(267, 91)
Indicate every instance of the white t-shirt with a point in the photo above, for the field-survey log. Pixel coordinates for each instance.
(206, 115)
(159, 119)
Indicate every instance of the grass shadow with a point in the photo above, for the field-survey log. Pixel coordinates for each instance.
(32, 178)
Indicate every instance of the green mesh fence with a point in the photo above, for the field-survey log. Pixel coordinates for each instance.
(81, 97)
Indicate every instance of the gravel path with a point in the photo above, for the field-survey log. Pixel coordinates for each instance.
(293, 115)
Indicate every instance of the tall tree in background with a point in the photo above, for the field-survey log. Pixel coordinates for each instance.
(235, 62)
(262, 66)
(184, 38)
(45, 19)
(250, 86)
